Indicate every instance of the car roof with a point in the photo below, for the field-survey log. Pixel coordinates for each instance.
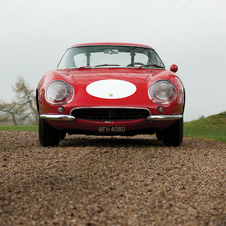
(111, 43)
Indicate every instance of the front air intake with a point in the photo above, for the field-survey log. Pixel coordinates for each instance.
(110, 114)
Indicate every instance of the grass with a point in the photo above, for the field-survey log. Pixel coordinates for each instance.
(212, 127)
(19, 128)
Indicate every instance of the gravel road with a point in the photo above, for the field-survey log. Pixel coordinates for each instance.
(89, 180)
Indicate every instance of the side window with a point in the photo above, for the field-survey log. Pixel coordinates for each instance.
(154, 59)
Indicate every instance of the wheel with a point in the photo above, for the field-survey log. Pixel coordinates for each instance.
(173, 136)
(159, 135)
(48, 136)
(62, 135)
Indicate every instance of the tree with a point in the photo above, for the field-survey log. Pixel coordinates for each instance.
(26, 97)
(11, 110)
(23, 108)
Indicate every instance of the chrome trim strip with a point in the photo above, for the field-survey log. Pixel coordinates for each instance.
(65, 118)
(110, 107)
(164, 117)
(69, 118)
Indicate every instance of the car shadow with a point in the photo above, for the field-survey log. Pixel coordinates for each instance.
(109, 141)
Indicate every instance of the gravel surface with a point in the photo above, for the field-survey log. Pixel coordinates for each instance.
(90, 180)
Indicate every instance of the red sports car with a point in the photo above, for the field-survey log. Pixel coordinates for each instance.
(111, 89)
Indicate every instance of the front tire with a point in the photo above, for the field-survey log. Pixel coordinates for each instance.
(159, 135)
(173, 136)
(48, 136)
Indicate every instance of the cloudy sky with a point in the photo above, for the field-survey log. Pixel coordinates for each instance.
(35, 33)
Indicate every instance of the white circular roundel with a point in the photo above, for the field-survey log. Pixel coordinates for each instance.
(111, 89)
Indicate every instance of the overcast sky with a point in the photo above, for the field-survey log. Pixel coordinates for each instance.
(34, 34)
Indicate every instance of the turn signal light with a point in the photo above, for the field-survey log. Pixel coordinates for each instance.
(160, 109)
(61, 109)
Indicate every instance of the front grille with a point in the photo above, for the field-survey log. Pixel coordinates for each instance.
(110, 114)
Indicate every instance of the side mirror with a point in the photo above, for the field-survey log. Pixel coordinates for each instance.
(173, 68)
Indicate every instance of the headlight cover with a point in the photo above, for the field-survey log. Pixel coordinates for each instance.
(162, 92)
(59, 92)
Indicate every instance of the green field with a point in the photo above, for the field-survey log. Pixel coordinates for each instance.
(212, 127)
(19, 128)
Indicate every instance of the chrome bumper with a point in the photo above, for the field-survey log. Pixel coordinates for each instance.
(68, 118)
(65, 118)
(164, 117)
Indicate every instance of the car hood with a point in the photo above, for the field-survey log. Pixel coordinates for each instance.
(93, 76)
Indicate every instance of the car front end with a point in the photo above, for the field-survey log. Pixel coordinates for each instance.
(110, 99)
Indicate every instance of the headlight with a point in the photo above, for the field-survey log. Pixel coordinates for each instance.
(162, 92)
(59, 92)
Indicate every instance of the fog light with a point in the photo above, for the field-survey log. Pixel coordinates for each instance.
(61, 109)
(160, 109)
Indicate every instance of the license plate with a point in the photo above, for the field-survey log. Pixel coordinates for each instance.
(112, 129)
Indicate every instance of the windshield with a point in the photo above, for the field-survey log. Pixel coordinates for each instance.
(109, 56)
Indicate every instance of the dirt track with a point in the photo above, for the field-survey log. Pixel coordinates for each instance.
(90, 180)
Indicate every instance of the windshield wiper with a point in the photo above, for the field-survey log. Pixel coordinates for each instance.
(84, 67)
(104, 65)
(150, 65)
